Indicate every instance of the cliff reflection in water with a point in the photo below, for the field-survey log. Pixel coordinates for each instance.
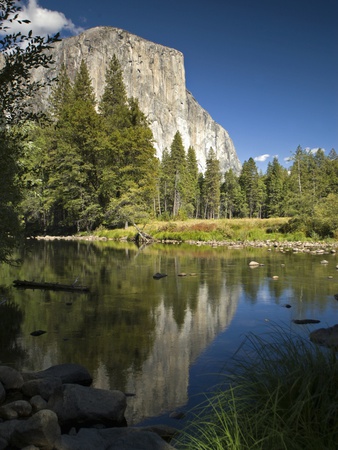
(162, 382)
(132, 332)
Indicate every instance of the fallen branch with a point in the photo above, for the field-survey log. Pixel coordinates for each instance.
(23, 284)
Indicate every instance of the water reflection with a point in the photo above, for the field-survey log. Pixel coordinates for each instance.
(142, 335)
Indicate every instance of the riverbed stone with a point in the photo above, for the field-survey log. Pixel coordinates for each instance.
(80, 406)
(253, 264)
(41, 430)
(10, 378)
(38, 403)
(68, 373)
(15, 410)
(2, 393)
(113, 439)
(45, 387)
(326, 336)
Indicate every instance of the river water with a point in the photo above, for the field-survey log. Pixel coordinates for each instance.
(165, 341)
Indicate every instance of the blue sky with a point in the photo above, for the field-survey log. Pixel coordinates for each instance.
(266, 70)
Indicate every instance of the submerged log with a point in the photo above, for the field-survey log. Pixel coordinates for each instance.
(23, 284)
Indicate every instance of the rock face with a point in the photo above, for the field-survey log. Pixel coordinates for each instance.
(155, 75)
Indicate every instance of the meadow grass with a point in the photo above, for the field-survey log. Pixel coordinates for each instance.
(206, 230)
(281, 394)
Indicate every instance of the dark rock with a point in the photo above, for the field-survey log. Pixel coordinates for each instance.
(10, 378)
(305, 321)
(41, 430)
(158, 275)
(44, 387)
(287, 306)
(113, 439)
(38, 332)
(87, 414)
(15, 410)
(325, 336)
(165, 432)
(2, 393)
(68, 373)
(177, 415)
(6, 430)
(38, 403)
(80, 406)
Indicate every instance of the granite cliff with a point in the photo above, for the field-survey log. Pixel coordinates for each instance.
(155, 75)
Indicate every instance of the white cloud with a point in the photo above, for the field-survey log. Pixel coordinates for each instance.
(313, 150)
(43, 21)
(261, 158)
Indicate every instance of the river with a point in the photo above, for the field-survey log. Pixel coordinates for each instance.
(164, 341)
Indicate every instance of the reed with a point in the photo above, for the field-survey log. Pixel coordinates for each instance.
(281, 394)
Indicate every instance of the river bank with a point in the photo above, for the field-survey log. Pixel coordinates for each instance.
(294, 246)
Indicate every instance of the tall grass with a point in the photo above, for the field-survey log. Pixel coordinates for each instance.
(282, 394)
(205, 230)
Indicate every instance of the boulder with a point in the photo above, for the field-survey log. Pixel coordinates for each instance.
(79, 406)
(15, 410)
(41, 430)
(45, 387)
(113, 439)
(2, 393)
(68, 373)
(10, 378)
(253, 264)
(93, 418)
(326, 336)
(38, 403)
(158, 276)
(6, 430)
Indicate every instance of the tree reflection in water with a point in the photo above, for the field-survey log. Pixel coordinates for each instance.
(142, 335)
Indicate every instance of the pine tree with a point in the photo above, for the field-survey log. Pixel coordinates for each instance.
(248, 181)
(212, 185)
(114, 103)
(178, 173)
(192, 182)
(275, 180)
(165, 183)
(232, 199)
(75, 153)
(130, 165)
(61, 93)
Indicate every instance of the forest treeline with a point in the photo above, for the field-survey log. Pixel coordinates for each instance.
(94, 164)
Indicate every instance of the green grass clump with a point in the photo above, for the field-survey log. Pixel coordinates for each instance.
(282, 395)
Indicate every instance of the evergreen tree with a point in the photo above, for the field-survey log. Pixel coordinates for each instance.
(248, 181)
(178, 174)
(129, 165)
(61, 93)
(192, 182)
(114, 103)
(275, 180)
(75, 153)
(165, 183)
(212, 180)
(232, 199)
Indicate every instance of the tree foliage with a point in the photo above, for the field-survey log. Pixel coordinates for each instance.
(94, 172)
(19, 54)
